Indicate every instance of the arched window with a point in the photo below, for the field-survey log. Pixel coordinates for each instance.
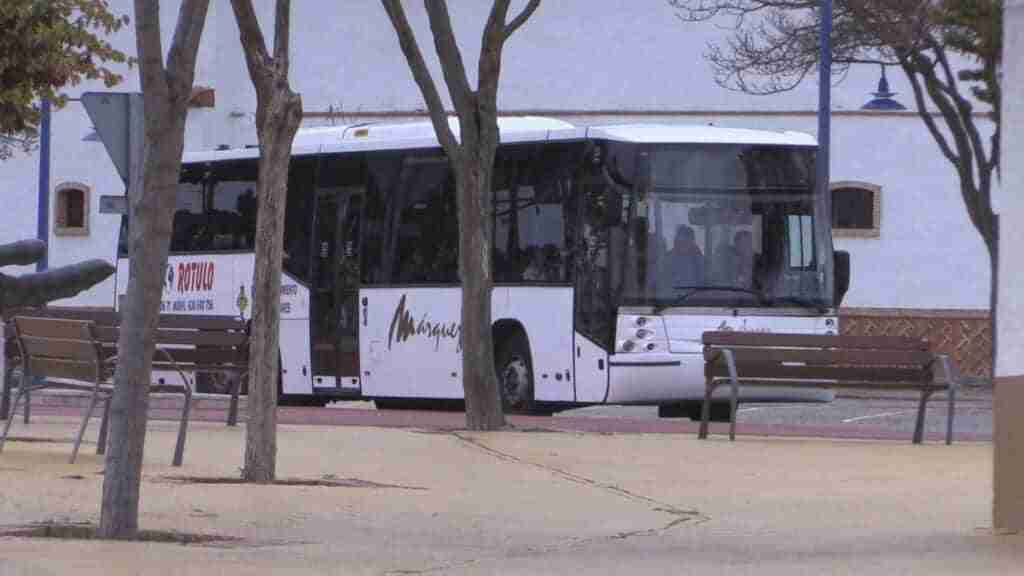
(856, 210)
(71, 210)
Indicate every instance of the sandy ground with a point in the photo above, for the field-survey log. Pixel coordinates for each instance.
(520, 503)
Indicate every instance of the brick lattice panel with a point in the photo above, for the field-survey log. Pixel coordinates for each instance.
(966, 337)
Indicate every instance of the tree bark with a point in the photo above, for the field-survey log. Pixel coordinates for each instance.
(276, 136)
(152, 196)
(278, 115)
(483, 400)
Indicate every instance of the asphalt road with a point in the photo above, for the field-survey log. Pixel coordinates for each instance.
(863, 416)
(893, 415)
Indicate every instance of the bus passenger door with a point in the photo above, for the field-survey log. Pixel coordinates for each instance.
(334, 314)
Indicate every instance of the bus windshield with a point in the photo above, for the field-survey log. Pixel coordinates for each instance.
(721, 225)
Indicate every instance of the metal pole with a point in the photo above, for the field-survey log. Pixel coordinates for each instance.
(43, 216)
(823, 208)
(825, 103)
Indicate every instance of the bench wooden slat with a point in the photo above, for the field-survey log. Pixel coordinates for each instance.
(718, 338)
(58, 368)
(830, 384)
(203, 357)
(201, 322)
(100, 317)
(83, 350)
(820, 373)
(52, 328)
(840, 357)
(164, 336)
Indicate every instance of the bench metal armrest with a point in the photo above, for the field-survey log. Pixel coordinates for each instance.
(177, 368)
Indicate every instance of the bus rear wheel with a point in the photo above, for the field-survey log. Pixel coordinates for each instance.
(514, 370)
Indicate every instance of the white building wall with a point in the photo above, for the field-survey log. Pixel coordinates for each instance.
(607, 61)
(1010, 314)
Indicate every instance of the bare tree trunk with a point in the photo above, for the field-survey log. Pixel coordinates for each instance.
(261, 429)
(278, 115)
(151, 196)
(483, 400)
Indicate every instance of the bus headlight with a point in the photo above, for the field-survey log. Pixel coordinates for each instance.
(639, 334)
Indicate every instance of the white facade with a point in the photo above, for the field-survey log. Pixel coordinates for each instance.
(599, 62)
(1010, 315)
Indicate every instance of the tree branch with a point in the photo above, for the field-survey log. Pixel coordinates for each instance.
(282, 35)
(965, 112)
(254, 46)
(926, 116)
(253, 43)
(521, 19)
(421, 74)
(452, 67)
(181, 60)
(491, 45)
(149, 46)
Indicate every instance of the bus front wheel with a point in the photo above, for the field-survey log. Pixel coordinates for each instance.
(515, 374)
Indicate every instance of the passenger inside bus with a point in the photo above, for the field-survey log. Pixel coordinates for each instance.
(735, 262)
(685, 260)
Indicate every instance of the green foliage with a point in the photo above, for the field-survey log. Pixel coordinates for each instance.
(44, 46)
(974, 28)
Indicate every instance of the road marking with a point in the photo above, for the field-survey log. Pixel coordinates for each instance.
(882, 415)
(747, 409)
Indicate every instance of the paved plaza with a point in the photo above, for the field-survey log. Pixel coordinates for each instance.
(432, 501)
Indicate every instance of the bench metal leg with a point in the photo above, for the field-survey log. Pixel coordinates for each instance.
(101, 440)
(730, 362)
(85, 423)
(919, 426)
(179, 447)
(233, 405)
(10, 420)
(5, 394)
(951, 394)
(952, 385)
(705, 409)
(28, 396)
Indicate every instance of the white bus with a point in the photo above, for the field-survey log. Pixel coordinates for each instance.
(614, 249)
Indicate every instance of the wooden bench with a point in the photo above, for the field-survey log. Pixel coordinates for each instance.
(185, 344)
(221, 344)
(813, 361)
(59, 353)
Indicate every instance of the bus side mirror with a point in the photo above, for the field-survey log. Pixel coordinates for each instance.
(841, 259)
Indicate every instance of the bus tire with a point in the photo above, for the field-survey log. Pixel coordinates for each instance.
(514, 370)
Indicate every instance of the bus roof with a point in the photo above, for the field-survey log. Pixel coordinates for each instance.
(411, 135)
(697, 134)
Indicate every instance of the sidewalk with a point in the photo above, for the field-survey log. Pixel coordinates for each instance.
(430, 502)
